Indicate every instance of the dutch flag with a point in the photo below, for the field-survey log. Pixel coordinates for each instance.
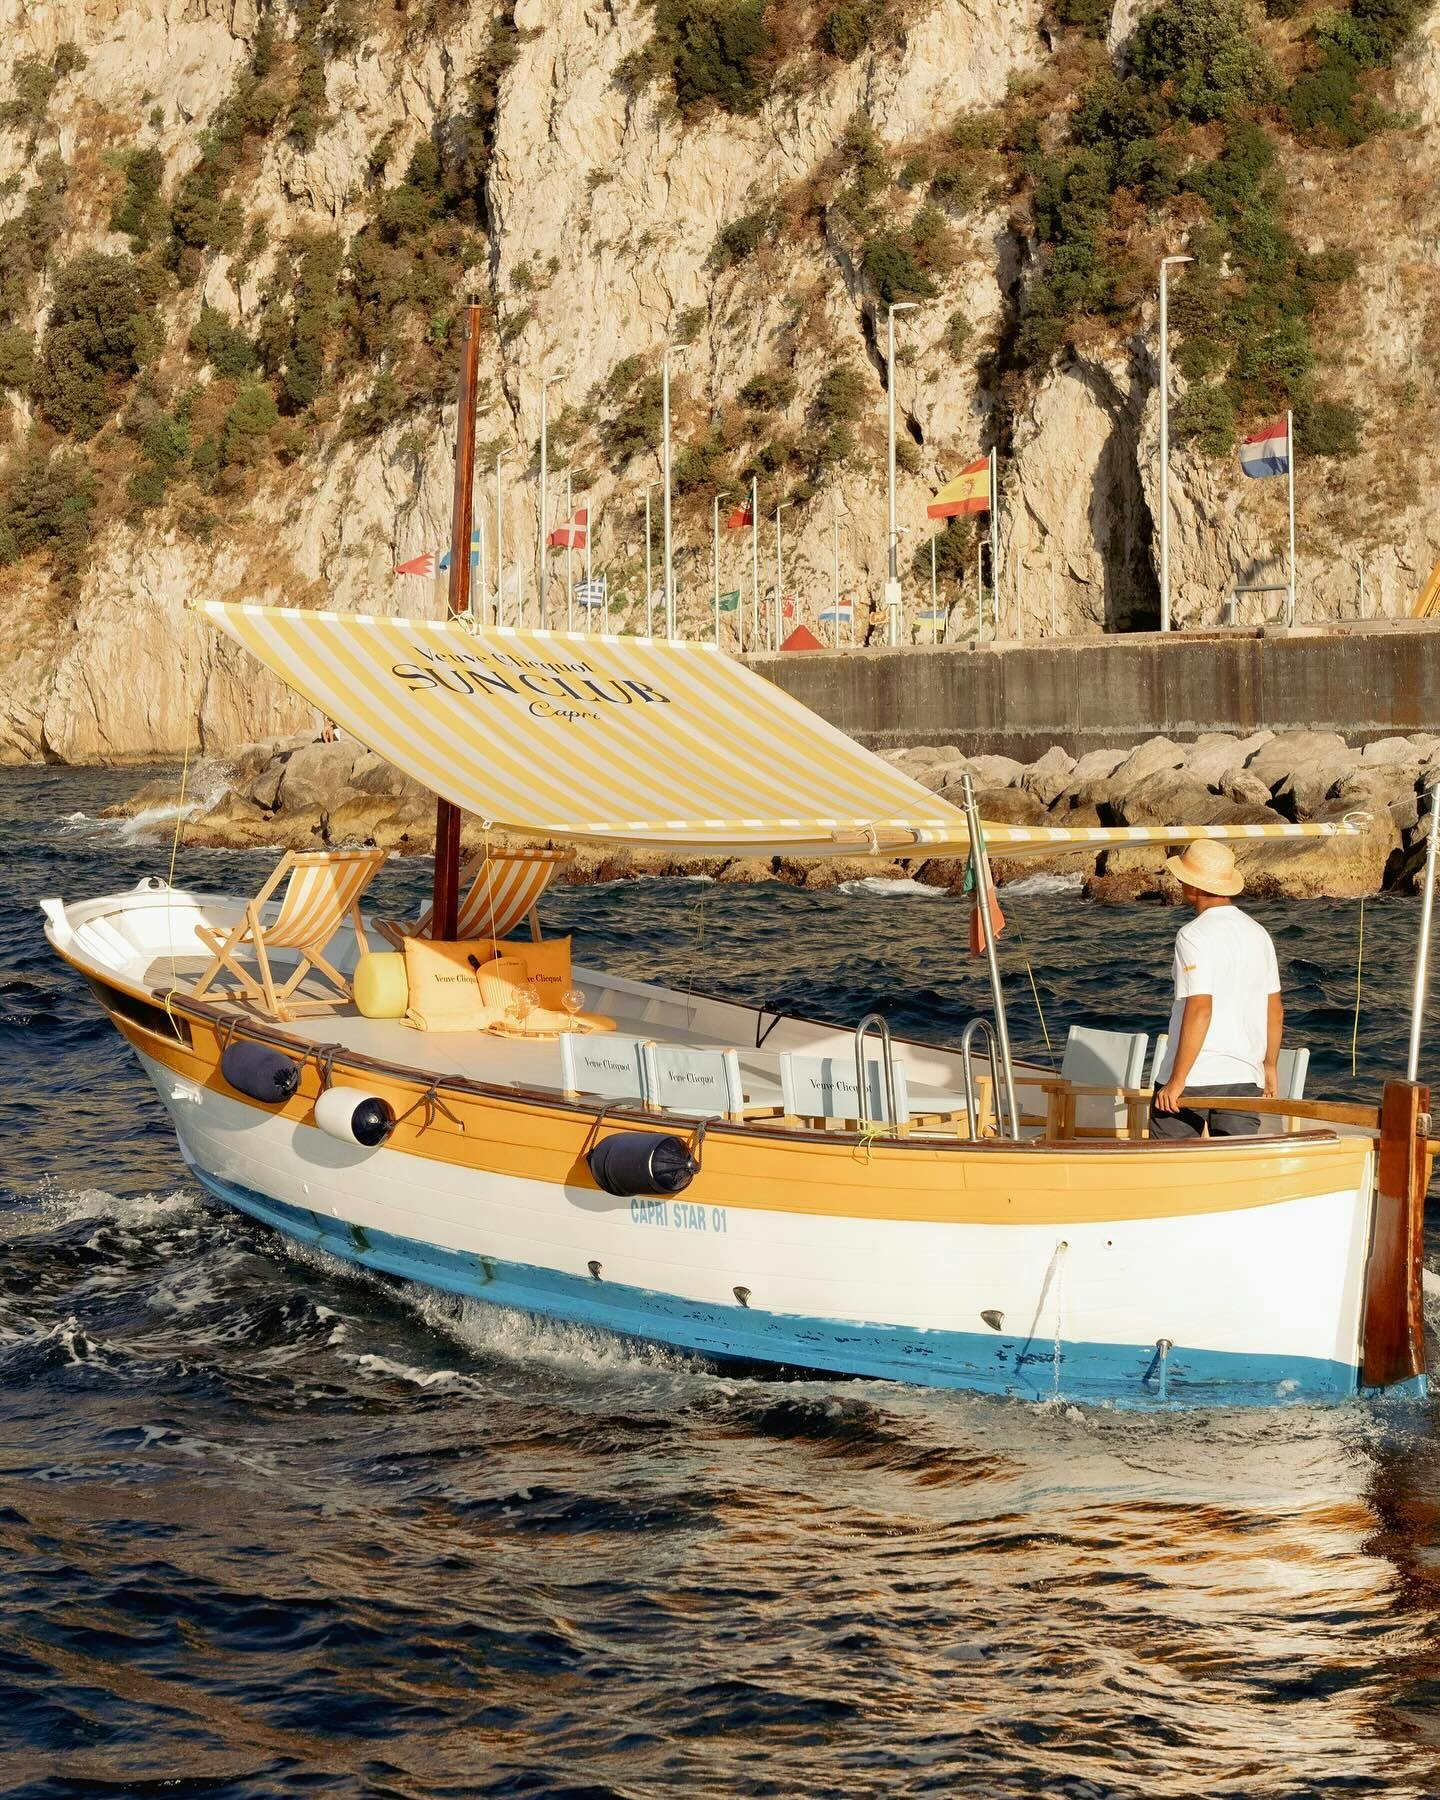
(1267, 451)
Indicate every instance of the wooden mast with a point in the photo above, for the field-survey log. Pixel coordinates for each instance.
(446, 893)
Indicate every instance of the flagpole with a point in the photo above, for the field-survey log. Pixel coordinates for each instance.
(649, 579)
(779, 581)
(934, 608)
(570, 529)
(835, 563)
(665, 469)
(499, 547)
(754, 563)
(995, 539)
(480, 571)
(715, 558)
(589, 523)
(1290, 483)
(544, 494)
(1166, 264)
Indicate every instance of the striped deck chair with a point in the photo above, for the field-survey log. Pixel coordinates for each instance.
(323, 886)
(503, 889)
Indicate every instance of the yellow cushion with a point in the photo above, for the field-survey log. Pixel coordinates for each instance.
(444, 994)
(381, 989)
(547, 968)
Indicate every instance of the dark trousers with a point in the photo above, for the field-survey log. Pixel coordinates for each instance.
(1190, 1121)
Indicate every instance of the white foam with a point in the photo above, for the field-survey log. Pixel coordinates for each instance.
(892, 886)
(1036, 886)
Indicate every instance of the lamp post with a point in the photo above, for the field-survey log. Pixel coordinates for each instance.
(499, 544)
(715, 557)
(1166, 264)
(545, 381)
(779, 580)
(835, 562)
(665, 474)
(892, 561)
(754, 563)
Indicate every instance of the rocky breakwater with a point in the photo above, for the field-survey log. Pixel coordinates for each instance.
(294, 793)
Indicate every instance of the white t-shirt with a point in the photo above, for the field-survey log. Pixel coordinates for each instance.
(1224, 953)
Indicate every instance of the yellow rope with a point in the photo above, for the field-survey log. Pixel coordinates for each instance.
(1359, 966)
(1034, 989)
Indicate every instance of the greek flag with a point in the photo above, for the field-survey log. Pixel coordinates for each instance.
(591, 593)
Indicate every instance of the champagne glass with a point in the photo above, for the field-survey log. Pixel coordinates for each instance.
(572, 1000)
(526, 1000)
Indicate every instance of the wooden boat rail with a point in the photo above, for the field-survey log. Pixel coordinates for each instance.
(1059, 1121)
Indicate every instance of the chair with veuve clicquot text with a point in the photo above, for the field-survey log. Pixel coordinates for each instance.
(504, 887)
(323, 886)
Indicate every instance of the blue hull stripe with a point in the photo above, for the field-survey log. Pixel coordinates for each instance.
(1132, 1375)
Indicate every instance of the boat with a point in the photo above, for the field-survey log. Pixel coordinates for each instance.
(716, 1177)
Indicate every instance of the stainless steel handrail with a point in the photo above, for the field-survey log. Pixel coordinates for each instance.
(981, 865)
(873, 1022)
(987, 1031)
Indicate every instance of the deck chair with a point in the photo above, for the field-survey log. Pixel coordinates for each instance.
(1102, 1059)
(601, 1063)
(1292, 1067)
(703, 1083)
(503, 889)
(322, 887)
(823, 1088)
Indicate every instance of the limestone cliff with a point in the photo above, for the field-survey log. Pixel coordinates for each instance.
(594, 228)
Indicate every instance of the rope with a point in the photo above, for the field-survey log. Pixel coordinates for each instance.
(1359, 966)
(1035, 990)
(432, 1103)
(489, 878)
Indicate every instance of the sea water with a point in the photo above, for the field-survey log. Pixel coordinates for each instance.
(270, 1527)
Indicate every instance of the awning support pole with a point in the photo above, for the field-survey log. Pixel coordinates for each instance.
(981, 864)
(1422, 958)
(446, 891)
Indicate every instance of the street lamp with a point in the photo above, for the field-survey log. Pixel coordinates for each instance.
(1166, 264)
(892, 562)
(499, 544)
(649, 578)
(779, 580)
(715, 557)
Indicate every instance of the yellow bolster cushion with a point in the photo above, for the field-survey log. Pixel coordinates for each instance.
(444, 994)
(381, 988)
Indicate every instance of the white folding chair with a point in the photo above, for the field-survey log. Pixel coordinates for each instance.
(824, 1087)
(604, 1064)
(703, 1083)
(1102, 1059)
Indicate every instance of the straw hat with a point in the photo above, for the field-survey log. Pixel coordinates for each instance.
(1208, 866)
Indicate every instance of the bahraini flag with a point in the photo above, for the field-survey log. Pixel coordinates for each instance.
(969, 492)
(418, 565)
(1266, 451)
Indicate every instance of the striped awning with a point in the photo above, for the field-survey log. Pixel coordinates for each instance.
(622, 740)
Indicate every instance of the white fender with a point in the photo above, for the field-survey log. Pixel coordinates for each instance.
(354, 1117)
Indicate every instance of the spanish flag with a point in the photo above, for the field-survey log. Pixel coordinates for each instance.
(969, 492)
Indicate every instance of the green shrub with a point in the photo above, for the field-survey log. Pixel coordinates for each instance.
(1206, 414)
(165, 443)
(33, 81)
(139, 212)
(46, 505)
(245, 434)
(146, 488)
(741, 238)
(1329, 103)
(954, 556)
(229, 352)
(1202, 52)
(1089, 16)
(717, 52)
(17, 359)
(633, 423)
(840, 396)
(26, 241)
(892, 271)
(958, 333)
(1327, 427)
(101, 331)
(769, 391)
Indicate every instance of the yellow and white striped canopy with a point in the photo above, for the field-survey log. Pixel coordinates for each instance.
(621, 740)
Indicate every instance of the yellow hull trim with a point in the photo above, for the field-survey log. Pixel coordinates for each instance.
(806, 1174)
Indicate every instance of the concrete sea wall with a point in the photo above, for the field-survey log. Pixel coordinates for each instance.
(1365, 681)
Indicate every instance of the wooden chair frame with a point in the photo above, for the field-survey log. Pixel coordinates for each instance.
(252, 933)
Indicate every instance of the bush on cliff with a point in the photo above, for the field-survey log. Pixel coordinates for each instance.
(102, 330)
(45, 505)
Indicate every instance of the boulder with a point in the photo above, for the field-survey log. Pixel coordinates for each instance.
(921, 756)
(316, 777)
(823, 872)
(1389, 750)
(1081, 860)
(1049, 776)
(1149, 758)
(371, 774)
(936, 776)
(748, 868)
(1169, 797)
(1296, 752)
(264, 790)
(1124, 888)
(1342, 868)
(1245, 789)
(1216, 763)
(1096, 765)
(1005, 805)
(1381, 787)
(996, 771)
(1302, 793)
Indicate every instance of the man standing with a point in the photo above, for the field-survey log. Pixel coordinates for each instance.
(1228, 1018)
